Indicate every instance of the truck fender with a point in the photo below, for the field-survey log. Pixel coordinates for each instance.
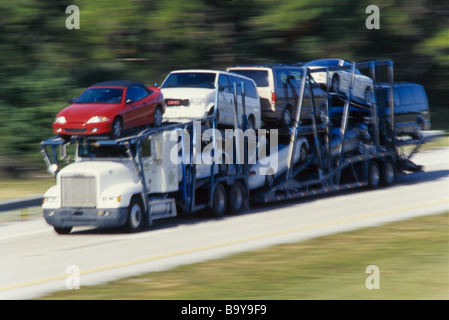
(126, 191)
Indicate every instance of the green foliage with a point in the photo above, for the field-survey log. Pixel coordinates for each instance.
(43, 64)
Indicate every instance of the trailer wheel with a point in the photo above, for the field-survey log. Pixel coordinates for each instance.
(373, 175)
(136, 219)
(219, 201)
(236, 197)
(63, 230)
(387, 173)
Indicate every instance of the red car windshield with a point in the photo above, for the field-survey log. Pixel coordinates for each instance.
(101, 95)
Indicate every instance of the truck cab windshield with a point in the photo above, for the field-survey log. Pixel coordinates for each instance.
(93, 151)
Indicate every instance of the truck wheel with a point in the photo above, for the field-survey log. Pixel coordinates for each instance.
(387, 173)
(219, 201)
(65, 230)
(373, 175)
(236, 197)
(135, 216)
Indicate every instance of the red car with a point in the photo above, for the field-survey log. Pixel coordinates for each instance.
(111, 108)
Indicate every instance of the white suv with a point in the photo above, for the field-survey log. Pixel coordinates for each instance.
(190, 95)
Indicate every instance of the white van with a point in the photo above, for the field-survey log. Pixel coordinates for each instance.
(190, 95)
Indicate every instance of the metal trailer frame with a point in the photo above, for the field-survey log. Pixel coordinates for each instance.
(332, 175)
(189, 184)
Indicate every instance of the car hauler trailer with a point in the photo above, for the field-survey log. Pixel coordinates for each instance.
(134, 182)
(151, 174)
(357, 147)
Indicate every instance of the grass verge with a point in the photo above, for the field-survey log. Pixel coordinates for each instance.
(412, 257)
(24, 188)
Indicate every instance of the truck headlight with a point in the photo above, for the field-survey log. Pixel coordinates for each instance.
(112, 198)
(50, 199)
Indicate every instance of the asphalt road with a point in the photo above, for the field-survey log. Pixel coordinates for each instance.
(35, 260)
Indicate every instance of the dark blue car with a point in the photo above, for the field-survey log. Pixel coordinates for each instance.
(411, 107)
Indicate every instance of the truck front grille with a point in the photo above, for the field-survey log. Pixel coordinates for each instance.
(79, 192)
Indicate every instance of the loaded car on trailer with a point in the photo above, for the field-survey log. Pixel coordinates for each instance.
(410, 105)
(190, 95)
(110, 108)
(339, 79)
(278, 87)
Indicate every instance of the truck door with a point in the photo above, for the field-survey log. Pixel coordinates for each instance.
(148, 159)
(161, 173)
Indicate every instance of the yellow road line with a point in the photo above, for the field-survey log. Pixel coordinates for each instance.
(227, 243)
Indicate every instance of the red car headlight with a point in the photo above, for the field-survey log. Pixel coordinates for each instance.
(60, 120)
(98, 119)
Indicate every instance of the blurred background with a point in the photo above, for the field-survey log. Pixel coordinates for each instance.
(43, 64)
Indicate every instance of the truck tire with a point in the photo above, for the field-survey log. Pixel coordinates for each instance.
(65, 230)
(373, 175)
(219, 201)
(236, 197)
(387, 173)
(136, 217)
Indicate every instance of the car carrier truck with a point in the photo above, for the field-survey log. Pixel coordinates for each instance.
(151, 174)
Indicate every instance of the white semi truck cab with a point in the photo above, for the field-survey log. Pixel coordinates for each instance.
(132, 181)
(105, 186)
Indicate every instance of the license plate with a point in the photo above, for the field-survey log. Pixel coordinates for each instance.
(177, 102)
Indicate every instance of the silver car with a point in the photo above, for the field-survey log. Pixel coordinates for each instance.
(340, 79)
